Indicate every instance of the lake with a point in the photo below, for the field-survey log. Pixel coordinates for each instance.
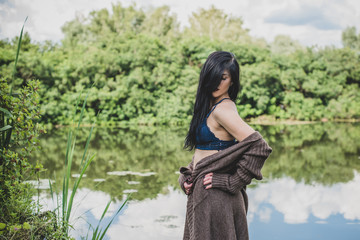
(310, 190)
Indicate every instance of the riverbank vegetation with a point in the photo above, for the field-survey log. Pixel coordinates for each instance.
(21, 217)
(144, 69)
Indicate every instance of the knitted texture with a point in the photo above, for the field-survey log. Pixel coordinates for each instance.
(220, 212)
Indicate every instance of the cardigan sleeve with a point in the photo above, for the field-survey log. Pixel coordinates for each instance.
(248, 167)
(185, 175)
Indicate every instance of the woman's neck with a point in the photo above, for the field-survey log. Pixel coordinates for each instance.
(216, 100)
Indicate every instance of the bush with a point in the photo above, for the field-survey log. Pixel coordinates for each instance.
(19, 113)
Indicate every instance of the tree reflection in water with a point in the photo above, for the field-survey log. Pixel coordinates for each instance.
(312, 171)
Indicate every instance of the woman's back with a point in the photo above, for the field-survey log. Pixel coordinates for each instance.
(218, 137)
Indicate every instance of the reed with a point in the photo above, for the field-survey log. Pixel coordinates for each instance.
(17, 56)
(65, 207)
(99, 233)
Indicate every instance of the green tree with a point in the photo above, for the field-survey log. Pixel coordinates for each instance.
(350, 38)
(145, 69)
(158, 22)
(283, 44)
(216, 25)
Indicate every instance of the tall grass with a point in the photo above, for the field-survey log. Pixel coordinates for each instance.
(5, 115)
(17, 56)
(99, 233)
(64, 208)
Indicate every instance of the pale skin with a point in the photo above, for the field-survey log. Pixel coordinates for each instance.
(225, 123)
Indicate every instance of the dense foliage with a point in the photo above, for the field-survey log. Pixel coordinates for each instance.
(20, 216)
(145, 69)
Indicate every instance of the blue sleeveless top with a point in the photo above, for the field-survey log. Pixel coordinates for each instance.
(205, 138)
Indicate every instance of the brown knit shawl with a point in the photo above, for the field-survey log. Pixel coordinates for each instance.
(220, 212)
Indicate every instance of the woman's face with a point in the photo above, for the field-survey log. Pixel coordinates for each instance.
(223, 88)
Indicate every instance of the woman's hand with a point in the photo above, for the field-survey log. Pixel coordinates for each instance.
(208, 180)
(188, 188)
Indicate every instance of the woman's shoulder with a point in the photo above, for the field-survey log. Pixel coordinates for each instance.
(225, 106)
(228, 117)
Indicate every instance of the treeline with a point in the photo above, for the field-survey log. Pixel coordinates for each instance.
(140, 67)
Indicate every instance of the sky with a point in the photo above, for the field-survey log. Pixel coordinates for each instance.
(311, 22)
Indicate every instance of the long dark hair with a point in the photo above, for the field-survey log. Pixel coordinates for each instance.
(210, 78)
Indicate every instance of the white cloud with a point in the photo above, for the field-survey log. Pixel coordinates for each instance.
(265, 214)
(297, 201)
(161, 218)
(85, 201)
(47, 16)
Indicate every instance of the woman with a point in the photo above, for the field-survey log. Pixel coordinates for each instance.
(228, 154)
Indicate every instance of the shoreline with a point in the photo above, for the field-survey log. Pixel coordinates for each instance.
(262, 120)
(267, 121)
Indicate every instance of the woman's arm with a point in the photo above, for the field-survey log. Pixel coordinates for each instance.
(250, 165)
(247, 168)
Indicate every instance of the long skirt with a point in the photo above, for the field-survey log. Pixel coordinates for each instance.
(213, 214)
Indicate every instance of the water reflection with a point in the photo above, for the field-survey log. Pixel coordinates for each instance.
(298, 201)
(161, 218)
(311, 177)
(314, 153)
(147, 156)
(285, 209)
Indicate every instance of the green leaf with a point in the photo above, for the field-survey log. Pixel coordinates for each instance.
(6, 112)
(2, 226)
(26, 226)
(17, 55)
(5, 128)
